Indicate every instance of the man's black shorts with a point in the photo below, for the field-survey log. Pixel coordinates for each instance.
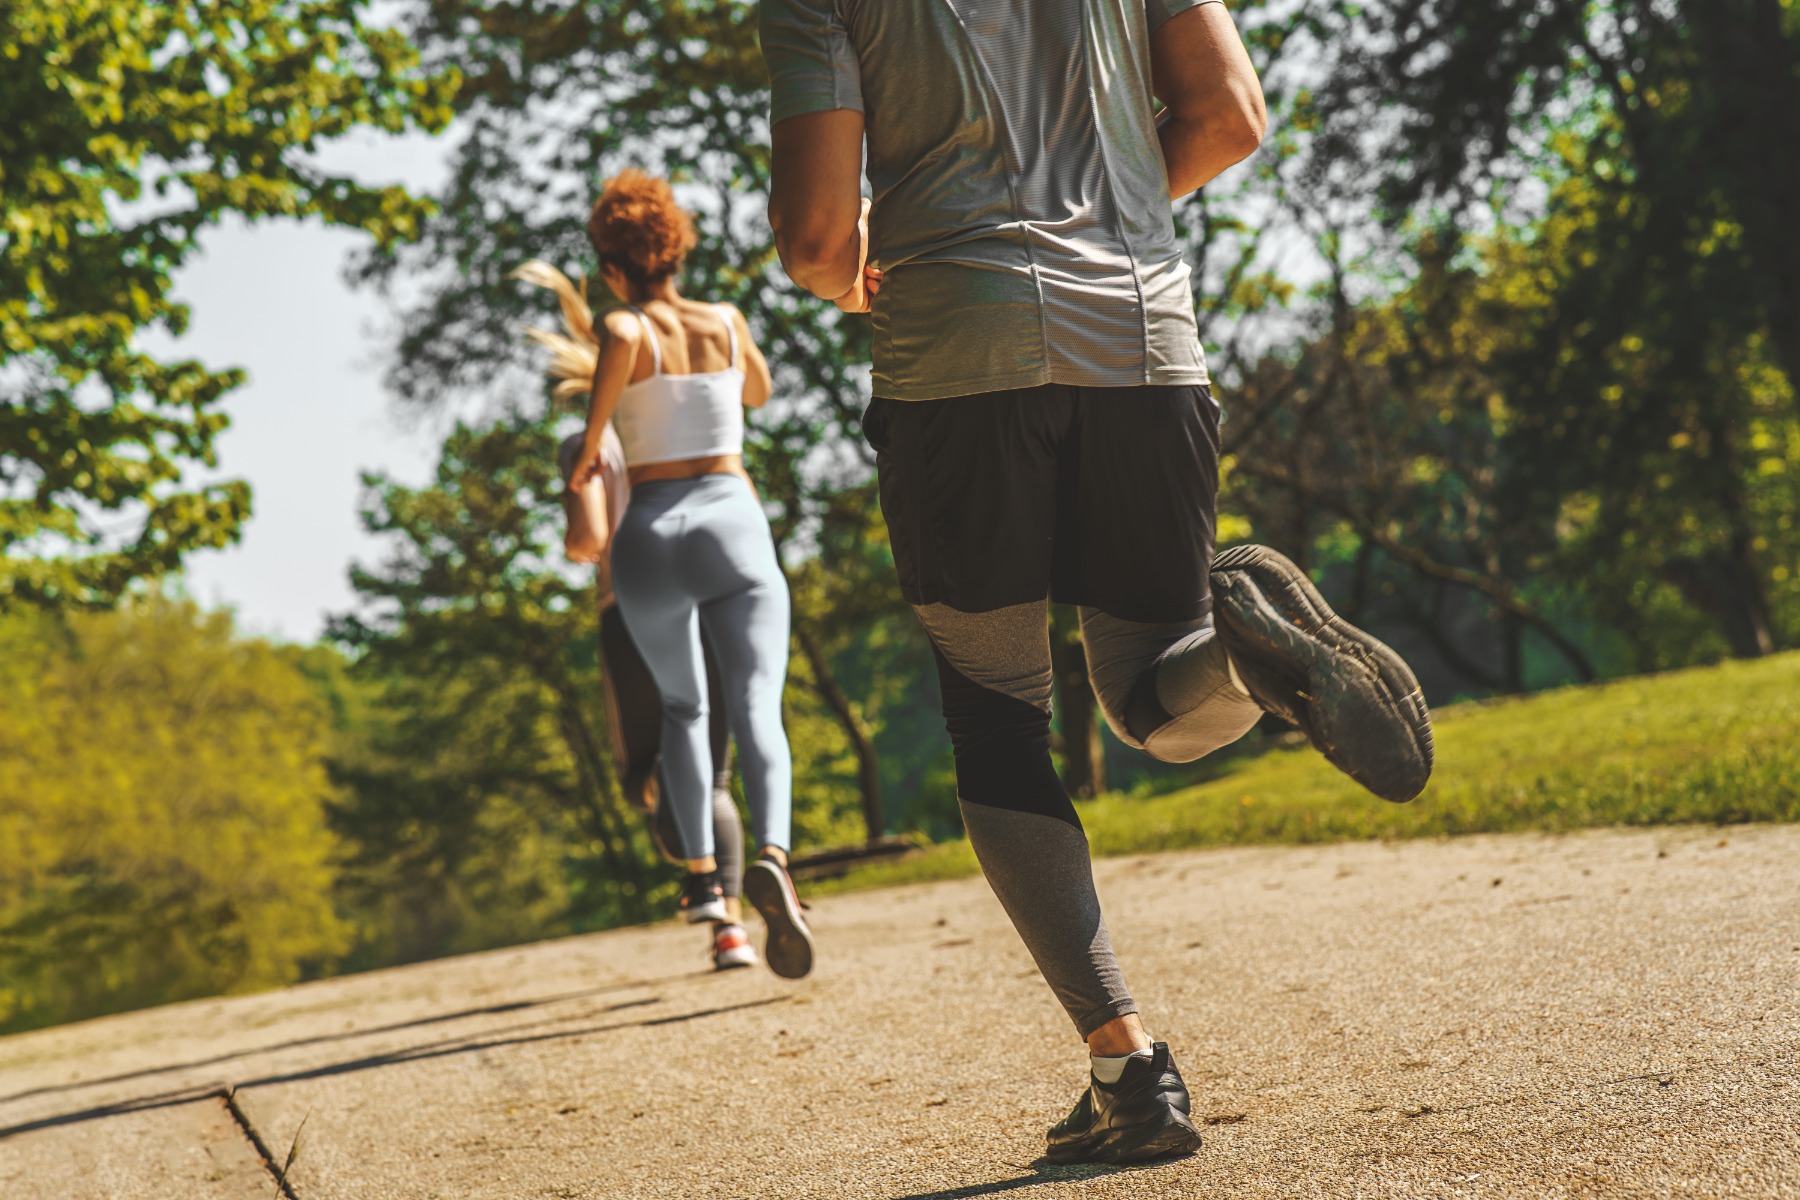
(1097, 496)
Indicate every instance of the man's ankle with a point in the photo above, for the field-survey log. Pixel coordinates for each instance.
(1119, 1037)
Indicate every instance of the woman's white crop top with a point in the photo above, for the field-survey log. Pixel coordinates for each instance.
(666, 418)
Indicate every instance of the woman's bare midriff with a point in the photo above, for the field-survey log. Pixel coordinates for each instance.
(691, 468)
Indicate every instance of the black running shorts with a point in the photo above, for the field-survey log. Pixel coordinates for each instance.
(1096, 496)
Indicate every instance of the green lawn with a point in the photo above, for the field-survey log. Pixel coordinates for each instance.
(1713, 745)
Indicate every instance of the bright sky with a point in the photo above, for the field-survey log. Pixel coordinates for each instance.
(272, 300)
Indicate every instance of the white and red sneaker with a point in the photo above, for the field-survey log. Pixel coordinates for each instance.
(732, 948)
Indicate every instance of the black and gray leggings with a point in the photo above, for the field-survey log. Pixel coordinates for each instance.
(1103, 497)
(995, 673)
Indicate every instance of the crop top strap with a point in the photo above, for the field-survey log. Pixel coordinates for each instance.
(655, 346)
(730, 330)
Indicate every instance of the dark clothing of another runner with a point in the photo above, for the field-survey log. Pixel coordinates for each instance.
(634, 714)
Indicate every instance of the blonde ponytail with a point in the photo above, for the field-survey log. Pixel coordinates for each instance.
(574, 353)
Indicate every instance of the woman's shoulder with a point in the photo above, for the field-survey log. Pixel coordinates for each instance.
(623, 324)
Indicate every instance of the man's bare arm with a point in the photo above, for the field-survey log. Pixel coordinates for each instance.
(1213, 112)
(815, 202)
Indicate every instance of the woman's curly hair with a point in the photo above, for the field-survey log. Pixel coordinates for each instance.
(637, 226)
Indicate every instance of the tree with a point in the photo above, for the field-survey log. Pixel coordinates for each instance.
(484, 796)
(1639, 139)
(553, 102)
(126, 130)
(162, 813)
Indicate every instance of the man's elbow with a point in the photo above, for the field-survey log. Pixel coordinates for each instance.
(1237, 120)
(810, 261)
(810, 253)
(1244, 130)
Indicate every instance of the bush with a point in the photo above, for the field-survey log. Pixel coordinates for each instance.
(162, 813)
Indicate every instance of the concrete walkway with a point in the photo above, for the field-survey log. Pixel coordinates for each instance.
(1608, 1014)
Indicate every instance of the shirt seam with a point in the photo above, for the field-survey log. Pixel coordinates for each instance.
(1012, 184)
(1106, 171)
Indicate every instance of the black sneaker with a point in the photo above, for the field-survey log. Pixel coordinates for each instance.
(1141, 1117)
(702, 899)
(1355, 700)
(789, 950)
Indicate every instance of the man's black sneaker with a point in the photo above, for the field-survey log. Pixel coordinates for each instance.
(1355, 700)
(1143, 1116)
(702, 899)
(789, 951)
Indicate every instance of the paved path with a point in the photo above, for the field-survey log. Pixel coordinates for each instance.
(1608, 1014)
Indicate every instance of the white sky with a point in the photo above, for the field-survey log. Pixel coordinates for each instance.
(272, 299)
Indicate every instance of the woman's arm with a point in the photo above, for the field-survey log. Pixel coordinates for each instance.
(758, 382)
(620, 339)
(584, 509)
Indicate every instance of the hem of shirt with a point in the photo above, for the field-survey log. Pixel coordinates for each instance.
(1016, 381)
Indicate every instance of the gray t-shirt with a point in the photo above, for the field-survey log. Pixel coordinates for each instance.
(1021, 211)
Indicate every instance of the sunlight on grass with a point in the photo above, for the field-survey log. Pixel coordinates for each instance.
(1715, 745)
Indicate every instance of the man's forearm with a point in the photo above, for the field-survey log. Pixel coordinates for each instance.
(814, 198)
(1214, 113)
(1197, 152)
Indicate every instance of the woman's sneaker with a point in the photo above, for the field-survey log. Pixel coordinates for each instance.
(790, 946)
(1144, 1116)
(1355, 699)
(702, 899)
(732, 948)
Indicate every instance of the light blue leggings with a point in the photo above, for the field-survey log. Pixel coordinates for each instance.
(692, 552)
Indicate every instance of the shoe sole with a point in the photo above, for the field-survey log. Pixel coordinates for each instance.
(1354, 698)
(726, 963)
(789, 951)
(1174, 1137)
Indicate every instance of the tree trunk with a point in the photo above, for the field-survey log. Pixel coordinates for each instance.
(868, 774)
(1727, 589)
(1084, 753)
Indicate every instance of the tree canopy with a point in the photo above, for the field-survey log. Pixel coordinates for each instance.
(126, 130)
(163, 795)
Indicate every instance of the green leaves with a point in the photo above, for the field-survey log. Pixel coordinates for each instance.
(162, 813)
(127, 129)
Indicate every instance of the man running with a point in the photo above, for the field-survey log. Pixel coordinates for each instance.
(1044, 428)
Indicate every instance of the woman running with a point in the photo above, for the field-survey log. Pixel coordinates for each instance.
(693, 549)
(633, 707)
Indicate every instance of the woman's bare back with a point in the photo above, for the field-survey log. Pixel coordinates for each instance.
(691, 335)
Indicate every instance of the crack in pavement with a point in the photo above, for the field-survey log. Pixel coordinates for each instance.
(279, 1174)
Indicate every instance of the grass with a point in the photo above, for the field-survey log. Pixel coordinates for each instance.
(1713, 745)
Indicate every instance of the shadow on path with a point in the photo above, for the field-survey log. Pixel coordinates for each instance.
(487, 1010)
(1042, 1174)
(429, 1050)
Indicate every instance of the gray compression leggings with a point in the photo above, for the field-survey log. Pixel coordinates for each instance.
(994, 671)
(692, 553)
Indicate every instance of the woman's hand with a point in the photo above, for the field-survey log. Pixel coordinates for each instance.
(856, 300)
(589, 530)
(587, 466)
